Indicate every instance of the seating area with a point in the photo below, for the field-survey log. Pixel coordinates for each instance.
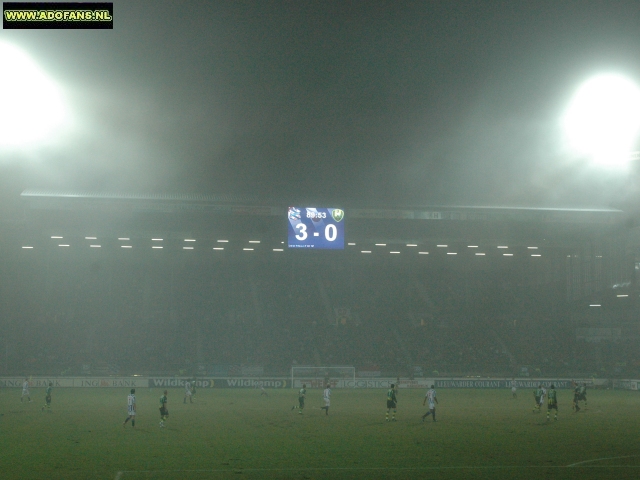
(241, 317)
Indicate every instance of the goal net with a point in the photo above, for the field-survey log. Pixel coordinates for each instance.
(317, 377)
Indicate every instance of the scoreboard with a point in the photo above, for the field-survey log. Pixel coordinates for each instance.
(313, 227)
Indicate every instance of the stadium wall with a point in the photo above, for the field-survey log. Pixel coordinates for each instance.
(231, 382)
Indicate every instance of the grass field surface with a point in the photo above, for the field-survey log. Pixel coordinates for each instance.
(236, 433)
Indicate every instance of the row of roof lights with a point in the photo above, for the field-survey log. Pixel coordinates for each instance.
(258, 241)
(279, 249)
(441, 246)
(156, 246)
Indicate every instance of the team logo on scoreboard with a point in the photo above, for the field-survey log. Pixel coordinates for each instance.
(294, 213)
(337, 214)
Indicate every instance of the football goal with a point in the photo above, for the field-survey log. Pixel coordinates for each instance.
(316, 377)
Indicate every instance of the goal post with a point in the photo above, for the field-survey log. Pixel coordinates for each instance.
(316, 377)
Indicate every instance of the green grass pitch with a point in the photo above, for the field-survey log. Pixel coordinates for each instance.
(236, 433)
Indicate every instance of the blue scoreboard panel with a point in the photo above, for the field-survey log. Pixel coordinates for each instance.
(316, 227)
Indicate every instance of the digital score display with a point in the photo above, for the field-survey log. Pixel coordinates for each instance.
(316, 228)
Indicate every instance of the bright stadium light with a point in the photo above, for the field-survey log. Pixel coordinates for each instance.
(33, 111)
(602, 122)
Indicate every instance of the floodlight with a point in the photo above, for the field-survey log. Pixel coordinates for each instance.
(602, 122)
(33, 111)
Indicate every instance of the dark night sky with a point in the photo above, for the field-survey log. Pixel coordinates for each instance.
(378, 101)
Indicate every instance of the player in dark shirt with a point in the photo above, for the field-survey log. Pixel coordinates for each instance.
(302, 394)
(47, 398)
(164, 412)
(576, 398)
(552, 403)
(392, 401)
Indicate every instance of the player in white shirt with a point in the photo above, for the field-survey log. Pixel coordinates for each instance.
(131, 408)
(513, 388)
(25, 390)
(326, 394)
(187, 392)
(433, 400)
(543, 396)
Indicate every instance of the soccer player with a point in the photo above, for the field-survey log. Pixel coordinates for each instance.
(263, 391)
(583, 394)
(164, 413)
(392, 401)
(431, 396)
(537, 394)
(543, 396)
(187, 392)
(513, 388)
(301, 396)
(25, 390)
(576, 397)
(552, 403)
(131, 409)
(193, 388)
(326, 394)
(47, 398)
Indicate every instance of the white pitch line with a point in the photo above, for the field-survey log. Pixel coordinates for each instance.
(600, 459)
(118, 475)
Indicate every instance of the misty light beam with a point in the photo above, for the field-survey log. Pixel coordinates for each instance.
(33, 110)
(602, 121)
